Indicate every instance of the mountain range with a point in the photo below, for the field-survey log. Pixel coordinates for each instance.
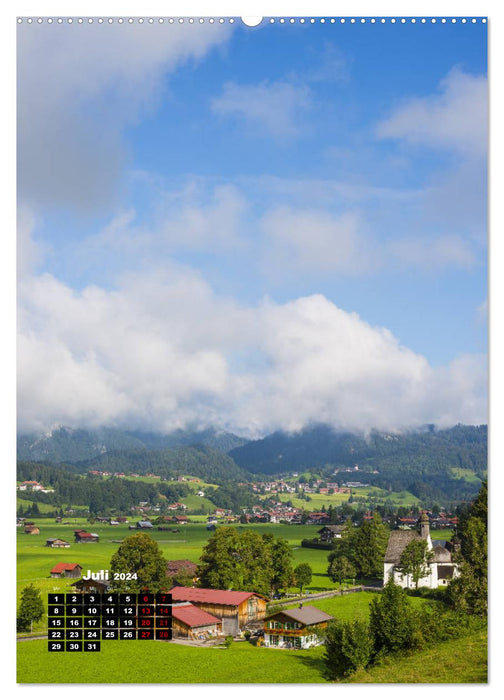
(430, 463)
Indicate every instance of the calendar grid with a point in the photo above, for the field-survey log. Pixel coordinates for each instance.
(80, 622)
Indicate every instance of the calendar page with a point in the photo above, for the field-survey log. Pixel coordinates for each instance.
(252, 349)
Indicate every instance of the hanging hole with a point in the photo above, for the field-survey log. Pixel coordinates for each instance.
(252, 21)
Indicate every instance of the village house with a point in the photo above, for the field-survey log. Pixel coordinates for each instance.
(56, 543)
(63, 570)
(176, 506)
(30, 486)
(330, 532)
(180, 519)
(144, 525)
(441, 566)
(32, 530)
(191, 622)
(317, 518)
(295, 629)
(92, 586)
(81, 536)
(181, 568)
(235, 608)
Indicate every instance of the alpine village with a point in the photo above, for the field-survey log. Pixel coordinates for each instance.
(313, 557)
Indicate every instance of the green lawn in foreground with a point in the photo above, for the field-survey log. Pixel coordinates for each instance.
(460, 661)
(161, 662)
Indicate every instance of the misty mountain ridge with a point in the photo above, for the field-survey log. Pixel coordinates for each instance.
(73, 445)
(321, 447)
(434, 465)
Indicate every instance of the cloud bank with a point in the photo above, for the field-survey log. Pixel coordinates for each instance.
(165, 352)
(75, 103)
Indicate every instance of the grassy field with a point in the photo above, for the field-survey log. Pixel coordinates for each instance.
(465, 474)
(461, 661)
(371, 494)
(162, 662)
(43, 507)
(35, 560)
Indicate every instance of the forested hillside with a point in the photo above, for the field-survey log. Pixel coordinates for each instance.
(70, 445)
(428, 462)
(432, 464)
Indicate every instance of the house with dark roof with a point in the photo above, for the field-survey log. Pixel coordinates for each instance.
(181, 567)
(81, 536)
(64, 570)
(329, 532)
(192, 622)
(441, 566)
(235, 608)
(298, 628)
(92, 585)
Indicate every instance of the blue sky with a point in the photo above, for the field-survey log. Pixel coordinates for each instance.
(252, 228)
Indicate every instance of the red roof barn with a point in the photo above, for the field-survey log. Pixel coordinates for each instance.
(63, 570)
(234, 608)
(190, 621)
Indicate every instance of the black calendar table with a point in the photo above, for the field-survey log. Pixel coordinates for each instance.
(80, 621)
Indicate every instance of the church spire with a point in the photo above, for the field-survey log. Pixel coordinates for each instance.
(424, 525)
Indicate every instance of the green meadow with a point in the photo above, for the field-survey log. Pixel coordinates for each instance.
(371, 495)
(35, 560)
(165, 662)
(461, 661)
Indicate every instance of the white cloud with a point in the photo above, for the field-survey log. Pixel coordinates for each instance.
(75, 101)
(29, 253)
(164, 351)
(313, 240)
(434, 253)
(455, 118)
(276, 107)
(193, 219)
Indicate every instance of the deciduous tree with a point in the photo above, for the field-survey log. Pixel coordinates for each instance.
(140, 555)
(303, 576)
(31, 608)
(340, 568)
(414, 560)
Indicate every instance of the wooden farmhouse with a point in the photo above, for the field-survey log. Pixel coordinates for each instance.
(329, 532)
(81, 536)
(63, 570)
(296, 628)
(32, 530)
(192, 622)
(441, 568)
(56, 543)
(92, 586)
(144, 525)
(182, 568)
(235, 608)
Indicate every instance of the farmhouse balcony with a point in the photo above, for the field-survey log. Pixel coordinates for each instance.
(282, 630)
